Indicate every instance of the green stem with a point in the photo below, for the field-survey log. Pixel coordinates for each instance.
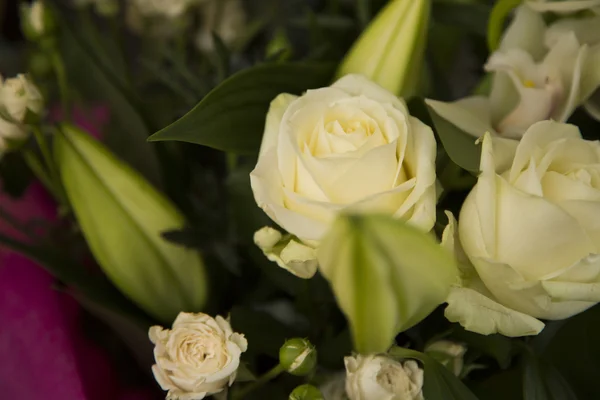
(38, 169)
(53, 175)
(63, 85)
(269, 375)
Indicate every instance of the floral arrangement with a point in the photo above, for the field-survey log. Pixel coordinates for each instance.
(304, 200)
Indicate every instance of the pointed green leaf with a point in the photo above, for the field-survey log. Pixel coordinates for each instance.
(541, 381)
(232, 116)
(459, 145)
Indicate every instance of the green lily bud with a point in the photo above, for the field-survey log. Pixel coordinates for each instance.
(122, 217)
(37, 20)
(386, 276)
(391, 50)
(298, 356)
(306, 392)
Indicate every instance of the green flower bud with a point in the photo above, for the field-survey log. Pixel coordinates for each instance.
(122, 218)
(386, 275)
(298, 356)
(391, 50)
(306, 392)
(37, 20)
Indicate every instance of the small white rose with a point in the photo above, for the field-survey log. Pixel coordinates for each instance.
(530, 227)
(378, 377)
(199, 356)
(349, 147)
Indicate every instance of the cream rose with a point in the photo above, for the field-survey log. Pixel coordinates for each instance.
(531, 229)
(378, 377)
(198, 357)
(350, 146)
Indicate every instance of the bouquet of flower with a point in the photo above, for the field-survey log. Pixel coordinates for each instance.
(298, 199)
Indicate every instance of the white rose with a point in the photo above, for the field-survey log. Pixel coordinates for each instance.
(350, 146)
(531, 229)
(198, 357)
(538, 74)
(378, 377)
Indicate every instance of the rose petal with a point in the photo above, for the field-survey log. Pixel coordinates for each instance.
(478, 313)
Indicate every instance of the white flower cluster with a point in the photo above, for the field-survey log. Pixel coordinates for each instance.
(18, 97)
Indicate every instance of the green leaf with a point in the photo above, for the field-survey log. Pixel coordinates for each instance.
(96, 72)
(574, 350)
(470, 17)
(497, 346)
(264, 333)
(439, 383)
(232, 116)
(459, 145)
(541, 381)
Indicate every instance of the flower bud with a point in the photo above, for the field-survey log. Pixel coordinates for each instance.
(306, 392)
(449, 354)
(298, 356)
(287, 252)
(122, 218)
(380, 270)
(391, 50)
(37, 20)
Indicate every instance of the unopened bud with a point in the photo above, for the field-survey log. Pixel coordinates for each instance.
(306, 392)
(298, 356)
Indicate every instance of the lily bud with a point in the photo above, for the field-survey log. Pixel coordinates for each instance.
(306, 392)
(449, 354)
(391, 50)
(386, 276)
(298, 356)
(122, 218)
(37, 20)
